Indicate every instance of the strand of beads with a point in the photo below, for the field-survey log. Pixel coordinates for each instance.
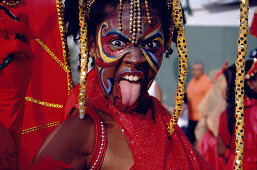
(183, 62)
(239, 84)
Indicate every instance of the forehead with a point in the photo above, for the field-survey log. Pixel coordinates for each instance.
(197, 66)
(113, 18)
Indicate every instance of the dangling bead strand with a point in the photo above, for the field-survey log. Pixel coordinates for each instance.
(120, 16)
(131, 17)
(134, 26)
(147, 12)
(139, 18)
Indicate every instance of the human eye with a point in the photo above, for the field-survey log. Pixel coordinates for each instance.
(117, 44)
(152, 45)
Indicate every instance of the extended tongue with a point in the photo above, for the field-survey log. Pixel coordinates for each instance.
(130, 92)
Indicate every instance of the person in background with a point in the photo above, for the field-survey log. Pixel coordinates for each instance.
(196, 90)
(210, 109)
(226, 137)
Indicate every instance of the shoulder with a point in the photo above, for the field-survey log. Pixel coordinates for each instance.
(70, 140)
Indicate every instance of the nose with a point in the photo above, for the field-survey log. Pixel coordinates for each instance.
(135, 57)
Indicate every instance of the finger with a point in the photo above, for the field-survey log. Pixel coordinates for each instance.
(9, 47)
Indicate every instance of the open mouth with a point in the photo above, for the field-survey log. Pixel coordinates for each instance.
(130, 84)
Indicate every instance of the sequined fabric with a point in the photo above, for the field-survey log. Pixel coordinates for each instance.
(151, 145)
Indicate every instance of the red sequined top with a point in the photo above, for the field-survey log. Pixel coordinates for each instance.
(151, 145)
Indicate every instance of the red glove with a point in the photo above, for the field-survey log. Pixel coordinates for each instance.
(15, 39)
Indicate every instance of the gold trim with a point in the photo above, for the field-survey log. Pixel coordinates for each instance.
(40, 127)
(239, 84)
(11, 2)
(43, 103)
(62, 29)
(52, 54)
(183, 62)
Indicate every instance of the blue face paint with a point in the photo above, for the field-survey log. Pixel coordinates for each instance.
(109, 81)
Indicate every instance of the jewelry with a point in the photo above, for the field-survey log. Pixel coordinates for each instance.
(120, 16)
(134, 26)
(147, 12)
(139, 18)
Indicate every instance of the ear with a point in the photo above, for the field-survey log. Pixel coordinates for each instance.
(92, 50)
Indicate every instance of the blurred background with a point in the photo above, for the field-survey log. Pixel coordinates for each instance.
(212, 32)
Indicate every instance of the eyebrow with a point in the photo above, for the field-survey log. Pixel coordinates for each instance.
(153, 36)
(121, 36)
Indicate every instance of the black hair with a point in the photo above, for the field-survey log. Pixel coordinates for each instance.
(71, 17)
(230, 75)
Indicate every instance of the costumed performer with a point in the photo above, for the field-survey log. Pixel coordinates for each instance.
(210, 109)
(122, 127)
(226, 138)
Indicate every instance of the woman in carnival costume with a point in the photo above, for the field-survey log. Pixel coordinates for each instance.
(120, 126)
(226, 138)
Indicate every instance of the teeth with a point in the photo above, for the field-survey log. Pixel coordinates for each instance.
(136, 78)
(131, 78)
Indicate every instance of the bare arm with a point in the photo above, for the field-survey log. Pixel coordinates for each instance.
(72, 143)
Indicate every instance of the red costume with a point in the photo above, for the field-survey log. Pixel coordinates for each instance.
(31, 119)
(250, 137)
(151, 145)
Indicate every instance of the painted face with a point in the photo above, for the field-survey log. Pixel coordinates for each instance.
(126, 70)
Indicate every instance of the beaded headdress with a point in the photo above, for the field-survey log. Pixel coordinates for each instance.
(177, 17)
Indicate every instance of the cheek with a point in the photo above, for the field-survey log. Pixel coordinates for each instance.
(106, 79)
(154, 59)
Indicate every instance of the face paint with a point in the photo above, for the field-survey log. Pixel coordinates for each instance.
(125, 70)
(106, 42)
(156, 39)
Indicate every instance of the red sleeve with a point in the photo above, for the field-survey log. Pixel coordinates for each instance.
(223, 128)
